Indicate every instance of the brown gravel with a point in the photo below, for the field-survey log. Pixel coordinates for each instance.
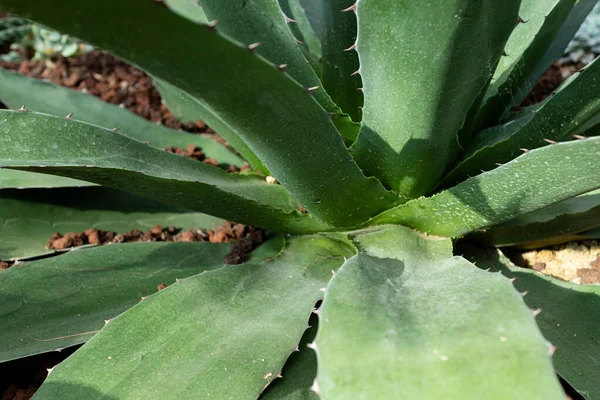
(110, 79)
(247, 238)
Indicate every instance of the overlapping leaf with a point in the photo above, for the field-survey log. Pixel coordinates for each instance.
(221, 334)
(279, 120)
(340, 60)
(62, 301)
(569, 318)
(44, 97)
(566, 113)
(29, 217)
(555, 224)
(535, 180)
(39, 142)
(409, 323)
(423, 65)
(541, 21)
(10, 178)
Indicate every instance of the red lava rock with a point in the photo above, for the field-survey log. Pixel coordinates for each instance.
(248, 238)
(211, 161)
(162, 286)
(4, 265)
(589, 276)
(110, 79)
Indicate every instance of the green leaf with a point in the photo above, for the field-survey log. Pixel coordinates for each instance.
(555, 224)
(263, 22)
(591, 234)
(221, 334)
(569, 318)
(534, 180)
(299, 372)
(314, 13)
(339, 63)
(44, 97)
(39, 142)
(568, 29)
(279, 120)
(564, 114)
(418, 325)
(189, 9)
(302, 28)
(541, 21)
(22, 179)
(187, 109)
(29, 217)
(61, 301)
(423, 66)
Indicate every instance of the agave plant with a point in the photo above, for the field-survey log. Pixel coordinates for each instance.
(385, 142)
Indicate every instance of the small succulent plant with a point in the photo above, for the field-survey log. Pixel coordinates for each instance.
(44, 43)
(389, 161)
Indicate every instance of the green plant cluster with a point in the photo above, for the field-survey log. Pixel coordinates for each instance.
(44, 43)
(390, 161)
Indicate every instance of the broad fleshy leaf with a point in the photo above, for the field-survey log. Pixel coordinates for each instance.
(340, 60)
(299, 372)
(13, 179)
(555, 224)
(423, 65)
(29, 217)
(280, 120)
(61, 301)
(535, 180)
(47, 98)
(559, 117)
(221, 334)
(569, 318)
(43, 143)
(540, 22)
(404, 322)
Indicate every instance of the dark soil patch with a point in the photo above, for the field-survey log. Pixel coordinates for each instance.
(19, 379)
(247, 238)
(195, 153)
(110, 79)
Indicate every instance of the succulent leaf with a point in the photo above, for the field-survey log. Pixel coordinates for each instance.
(341, 76)
(534, 180)
(13, 179)
(189, 9)
(47, 98)
(158, 343)
(83, 151)
(76, 295)
(277, 118)
(425, 318)
(76, 209)
(188, 109)
(542, 21)
(423, 66)
(569, 319)
(574, 105)
(557, 223)
(299, 372)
